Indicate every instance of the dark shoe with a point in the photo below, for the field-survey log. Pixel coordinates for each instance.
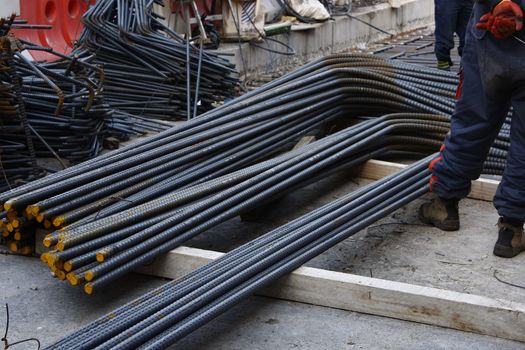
(511, 240)
(444, 65)
(442, 213)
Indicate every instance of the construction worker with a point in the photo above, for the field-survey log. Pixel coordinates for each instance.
(451, 16)
(494, 79)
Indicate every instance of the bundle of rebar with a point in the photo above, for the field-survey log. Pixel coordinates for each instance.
(18, 157)
(47, 111)
(208, 291)
(183, 214)
(53, 110)
(115, 212)
(151, 71)
(165, 315)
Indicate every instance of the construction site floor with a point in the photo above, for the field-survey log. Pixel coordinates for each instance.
(43, 308)
(397, 248)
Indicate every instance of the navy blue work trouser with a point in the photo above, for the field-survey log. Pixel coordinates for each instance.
(451, 16)
(494, 80)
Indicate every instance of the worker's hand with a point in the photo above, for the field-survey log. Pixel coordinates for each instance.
(505, 19)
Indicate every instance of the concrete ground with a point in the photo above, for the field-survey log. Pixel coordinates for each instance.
(46, 309)
(397, 248)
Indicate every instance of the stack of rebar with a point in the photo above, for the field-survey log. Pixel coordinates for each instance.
(115, 212)
(48, 110)
(106, 249)
(124, 125)
(152, 71)
(165, 315)
(53, 110)
(119, 211)
(63, 107)
(18, 158)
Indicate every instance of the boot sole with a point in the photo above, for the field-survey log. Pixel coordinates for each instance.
(505, 251)
(452, 225)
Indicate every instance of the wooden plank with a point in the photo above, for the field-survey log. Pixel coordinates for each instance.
(465, 312)
(377, 169)
(483, 189)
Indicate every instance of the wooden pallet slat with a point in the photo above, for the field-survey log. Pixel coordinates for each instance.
(483, 189)
(445, 308)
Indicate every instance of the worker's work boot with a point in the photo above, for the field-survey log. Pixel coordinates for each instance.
(444, 65)
(511, 240)
(442, 213)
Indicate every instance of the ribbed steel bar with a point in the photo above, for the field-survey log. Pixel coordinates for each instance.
(101, 249)
(151, 62)
(100, 206)
(330, 209)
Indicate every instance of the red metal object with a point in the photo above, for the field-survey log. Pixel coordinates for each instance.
(63, 15)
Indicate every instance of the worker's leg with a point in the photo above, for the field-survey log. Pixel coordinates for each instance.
(475, 123)
(462, 21)
(510, 197)
(445, 12)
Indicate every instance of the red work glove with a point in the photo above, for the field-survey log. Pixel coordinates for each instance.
(505, 19)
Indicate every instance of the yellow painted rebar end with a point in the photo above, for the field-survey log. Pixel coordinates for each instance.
(100, 256)
(68, 266)
(60, 246)
(39, 217)
(34, 210)
(90, 275)
(13, 246)
(51, 260)
(26, 250)
(72, 279)
(48, 241)
(8, 205)
(47, 224)
(61, 275)
(58, 221)
(88, 288)
(18, 235)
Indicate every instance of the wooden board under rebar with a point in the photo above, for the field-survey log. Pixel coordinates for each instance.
(483, 189)
(465, 312)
